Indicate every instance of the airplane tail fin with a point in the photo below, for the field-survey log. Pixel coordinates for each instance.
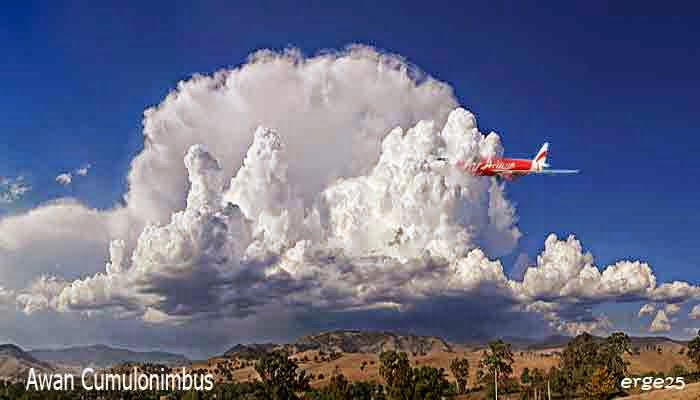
(540, 160)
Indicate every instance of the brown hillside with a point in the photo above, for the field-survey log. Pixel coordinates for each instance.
(15, 363)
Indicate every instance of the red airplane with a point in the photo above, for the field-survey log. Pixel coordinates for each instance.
(512, 168)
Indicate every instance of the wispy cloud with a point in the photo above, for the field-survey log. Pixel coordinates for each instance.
(13, 189)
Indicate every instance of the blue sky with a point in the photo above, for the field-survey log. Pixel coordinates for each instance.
(613, 87)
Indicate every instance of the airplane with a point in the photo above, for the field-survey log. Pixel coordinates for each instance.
(512, 168)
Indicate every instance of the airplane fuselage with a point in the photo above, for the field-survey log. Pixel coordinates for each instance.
(497, 166)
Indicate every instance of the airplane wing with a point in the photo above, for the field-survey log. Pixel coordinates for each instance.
(528, 172)
(556, 171)
(511, 171)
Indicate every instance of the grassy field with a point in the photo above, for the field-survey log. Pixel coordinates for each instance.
(649, 361)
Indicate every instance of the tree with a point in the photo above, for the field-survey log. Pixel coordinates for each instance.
(538, 382)
(679, 370)
(585, 356)
(396, 371)
(611, 353)
(559, 382)
(366, 391)
(279, 377)
(460, 370)
(693, 352)
(429, 383)
(337, 389)
(525, 376)
(577, 363)
(602, 384)
(496, 362)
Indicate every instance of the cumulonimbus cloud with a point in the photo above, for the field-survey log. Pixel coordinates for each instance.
(410, 230)
(307, 186)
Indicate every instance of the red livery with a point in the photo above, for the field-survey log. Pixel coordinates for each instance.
(511, 168)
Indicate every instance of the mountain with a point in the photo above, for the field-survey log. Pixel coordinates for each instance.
(348, 341)
(100, 356)
(656, 341)
(558, 341)
(550, 342)
(15, 363)
(252, 351)
(371, 342)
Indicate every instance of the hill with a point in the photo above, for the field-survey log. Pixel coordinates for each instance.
(549, 342)
(371, 342)
(15, 363)
(644, 341)
(101, 356)
(251, 351)
(349, 342)
(560, 341)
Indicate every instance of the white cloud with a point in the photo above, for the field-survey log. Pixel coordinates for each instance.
(333, 249)
(41, 295)
(660, 323)
(66, 178)
(676, 291)
(695, 312)
(83, 171)
(672, 309)
(647, 309)
(597, 326)
(332, 111)
(62, 238)
(12, 190)
(566, 273)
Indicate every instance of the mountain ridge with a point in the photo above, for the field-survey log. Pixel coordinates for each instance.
(346, 341)
(368, 341)
(15, 363)
(103, 356)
